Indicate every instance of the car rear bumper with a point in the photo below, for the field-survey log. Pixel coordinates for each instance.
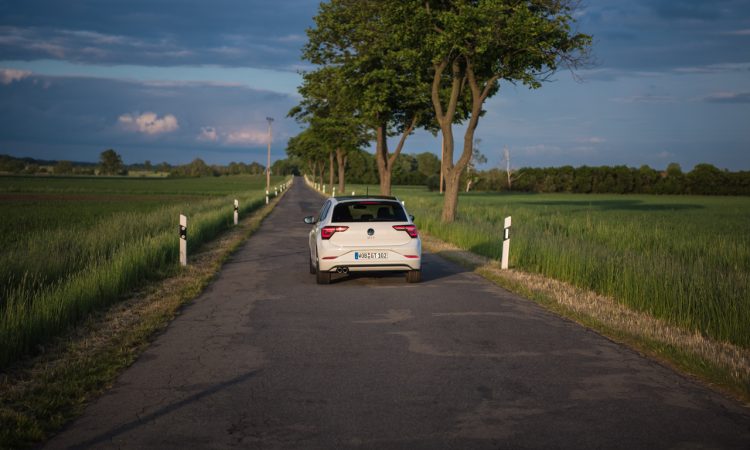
(402, 258)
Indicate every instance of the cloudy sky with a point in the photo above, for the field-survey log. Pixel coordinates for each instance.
(168, 80)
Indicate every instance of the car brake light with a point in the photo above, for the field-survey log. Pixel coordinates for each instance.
(411, 230)
(327, 232)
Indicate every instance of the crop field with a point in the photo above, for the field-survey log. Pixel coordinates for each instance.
(72, 245)
(685, 259)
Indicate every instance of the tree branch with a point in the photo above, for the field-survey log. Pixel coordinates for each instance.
(404, 135)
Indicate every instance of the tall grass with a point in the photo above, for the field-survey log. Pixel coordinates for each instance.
(53, 277)
(682, 259)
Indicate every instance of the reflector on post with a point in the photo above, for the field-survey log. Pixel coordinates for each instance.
(506, 243)
(183, 240)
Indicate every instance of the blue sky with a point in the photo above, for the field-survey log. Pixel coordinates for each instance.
(174, 80)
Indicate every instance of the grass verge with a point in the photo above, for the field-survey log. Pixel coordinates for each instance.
(38, 396)
(721, 365)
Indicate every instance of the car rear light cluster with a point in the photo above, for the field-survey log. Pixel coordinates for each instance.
(411, 230)
(327, 232)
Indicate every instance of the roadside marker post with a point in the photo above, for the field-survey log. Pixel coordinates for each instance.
(275, 192)
(266, 196)
(506, 243)
(183, 240)
(236, 211)
(353, 193)
(333, 194)
(324, 188)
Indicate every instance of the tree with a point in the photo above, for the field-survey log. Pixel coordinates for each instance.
(474, 45)
(330, 106)
(382, 68)
(707, 179)
(110, 163)
(63, 167)
(310, 147)
(477, 158)
(511, 174)
(428, 164)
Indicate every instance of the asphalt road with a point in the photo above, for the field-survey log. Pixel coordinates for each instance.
(266, 358)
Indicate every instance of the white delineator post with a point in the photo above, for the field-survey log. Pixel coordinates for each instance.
(266, 196)
(334, 192)
(183, 240)
(236, 211)
(506, 243)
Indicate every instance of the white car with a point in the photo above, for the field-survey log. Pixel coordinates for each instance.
(362, 234)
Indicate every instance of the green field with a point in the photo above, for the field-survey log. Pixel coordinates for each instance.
(71, 245)
(685, 259)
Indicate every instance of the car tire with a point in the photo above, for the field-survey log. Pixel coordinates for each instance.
(414, 276)
(312, 267)
(323, 277)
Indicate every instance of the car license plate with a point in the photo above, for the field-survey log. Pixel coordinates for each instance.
(370, 255)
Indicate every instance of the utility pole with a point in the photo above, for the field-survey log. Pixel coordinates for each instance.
(268, 160)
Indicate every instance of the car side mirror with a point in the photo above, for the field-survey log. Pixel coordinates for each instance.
(310, 220)
(411, 217)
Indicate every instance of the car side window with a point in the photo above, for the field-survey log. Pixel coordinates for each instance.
(324, 211)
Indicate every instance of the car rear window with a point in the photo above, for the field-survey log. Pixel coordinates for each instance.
(369, 211)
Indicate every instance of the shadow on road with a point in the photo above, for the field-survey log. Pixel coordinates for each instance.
(124, 428)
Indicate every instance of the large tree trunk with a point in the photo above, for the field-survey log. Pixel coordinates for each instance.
(385, 161)
(341, 160)
(445, 119)
(478, 96)
(381, 158)
(450, 200)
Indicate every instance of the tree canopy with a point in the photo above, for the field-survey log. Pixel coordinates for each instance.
(408, 64)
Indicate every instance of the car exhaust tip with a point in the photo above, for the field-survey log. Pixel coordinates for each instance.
(342, 270)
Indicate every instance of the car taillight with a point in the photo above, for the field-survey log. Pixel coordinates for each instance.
(411, 230)
(327, 232)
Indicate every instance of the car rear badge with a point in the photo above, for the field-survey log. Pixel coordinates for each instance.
(370, 231)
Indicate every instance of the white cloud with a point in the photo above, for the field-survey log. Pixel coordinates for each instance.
(727, 97)
(743, 32)
(648, 98)
(246, 136)
(293, 38)
(7, 76)
(149, 123)
(714, 68)
(664, 155)
(591, 140)
(208, 134)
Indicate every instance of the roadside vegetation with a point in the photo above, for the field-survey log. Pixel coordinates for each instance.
(72, 246)
(39, 395)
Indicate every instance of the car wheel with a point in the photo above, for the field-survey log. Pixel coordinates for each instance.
(414, 276)
(323, 277)
(312, 266)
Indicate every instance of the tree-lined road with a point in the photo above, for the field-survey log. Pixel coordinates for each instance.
(266, 358)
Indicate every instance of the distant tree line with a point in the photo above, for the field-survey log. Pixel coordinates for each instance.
(111, 164)
(424, 169)
(704, 179)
